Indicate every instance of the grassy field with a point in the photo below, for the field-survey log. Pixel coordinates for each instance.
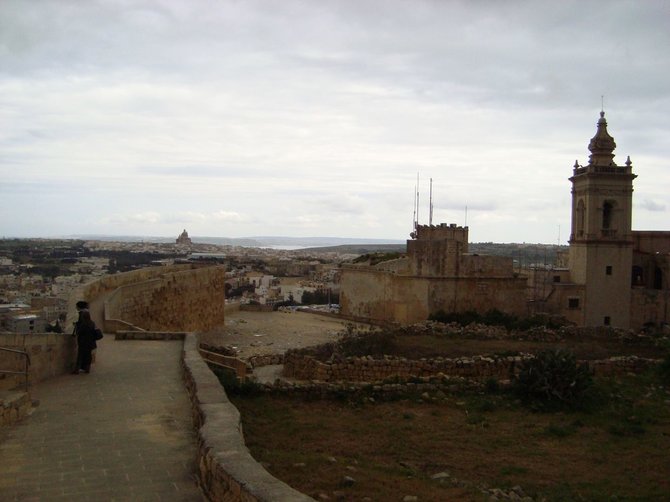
(617, 446)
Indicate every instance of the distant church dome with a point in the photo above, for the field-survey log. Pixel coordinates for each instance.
(184, 238)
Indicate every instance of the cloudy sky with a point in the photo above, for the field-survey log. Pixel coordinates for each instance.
(235, 118)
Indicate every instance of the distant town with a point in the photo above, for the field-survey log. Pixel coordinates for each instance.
(37, 276)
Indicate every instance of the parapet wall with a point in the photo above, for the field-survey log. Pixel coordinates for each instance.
(51, 355)
(168, 300)
(226, 469)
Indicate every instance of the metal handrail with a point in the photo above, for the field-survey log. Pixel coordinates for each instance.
(27, 365)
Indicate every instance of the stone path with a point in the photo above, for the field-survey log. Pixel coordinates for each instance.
(122, 432)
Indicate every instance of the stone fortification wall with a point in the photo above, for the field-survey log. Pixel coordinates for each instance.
(367, 369)
(380, 296)
(51, 355)
(109, 283)
(226, 469)
(176, 300)
(473, 265)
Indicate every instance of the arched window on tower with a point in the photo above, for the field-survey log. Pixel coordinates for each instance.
(658, 278)
(637, 278)
(608, 223)
(607, 214)
(580, 218)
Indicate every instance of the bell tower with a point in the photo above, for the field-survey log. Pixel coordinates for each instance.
(601, 244)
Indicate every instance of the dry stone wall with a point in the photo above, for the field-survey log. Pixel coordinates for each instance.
(368, 369)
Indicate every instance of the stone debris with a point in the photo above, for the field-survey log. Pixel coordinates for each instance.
(348, 481)
(515, 493)
(440, 476)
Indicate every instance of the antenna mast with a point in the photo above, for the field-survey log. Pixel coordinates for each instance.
(414, 213)
(430, 212)
(416, 223)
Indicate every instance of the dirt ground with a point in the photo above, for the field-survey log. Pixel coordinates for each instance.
(260, 333)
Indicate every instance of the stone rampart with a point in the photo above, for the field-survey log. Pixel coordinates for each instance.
(226, 469)
(175, 300)
(109, 283)
(51, 355)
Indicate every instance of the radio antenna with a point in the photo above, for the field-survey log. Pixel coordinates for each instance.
(430, 206)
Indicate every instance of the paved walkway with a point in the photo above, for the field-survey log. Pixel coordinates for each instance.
(122, 432)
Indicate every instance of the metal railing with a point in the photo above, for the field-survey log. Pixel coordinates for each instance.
(26, 366)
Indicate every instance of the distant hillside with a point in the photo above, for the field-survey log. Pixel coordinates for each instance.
(523, 254)
(314, 242)
(258, 242)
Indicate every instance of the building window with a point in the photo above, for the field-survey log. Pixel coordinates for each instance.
(658, 278)
(607, 214)
(608, 270)
(580, 218)
(606, 320)
(557, 278)
(573, 303)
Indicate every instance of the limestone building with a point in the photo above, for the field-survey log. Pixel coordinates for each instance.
(616, 276)
(612, 276)
(437, 274)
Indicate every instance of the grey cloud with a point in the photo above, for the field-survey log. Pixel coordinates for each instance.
(651, 205)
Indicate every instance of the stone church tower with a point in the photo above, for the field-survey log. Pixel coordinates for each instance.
(601, 240)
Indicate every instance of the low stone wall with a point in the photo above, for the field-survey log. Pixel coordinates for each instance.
(622, 365)
(248, 307)
(51, 355)
(367, 369)
(226, 469)
(429, 388)
(266, 360)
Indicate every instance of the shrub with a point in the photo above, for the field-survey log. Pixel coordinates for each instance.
(553, 380)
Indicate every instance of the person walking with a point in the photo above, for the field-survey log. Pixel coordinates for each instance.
(85, 330)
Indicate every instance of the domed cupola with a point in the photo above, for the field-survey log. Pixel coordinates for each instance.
(602, 145)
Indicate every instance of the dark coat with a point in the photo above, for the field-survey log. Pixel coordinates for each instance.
(85, 335)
